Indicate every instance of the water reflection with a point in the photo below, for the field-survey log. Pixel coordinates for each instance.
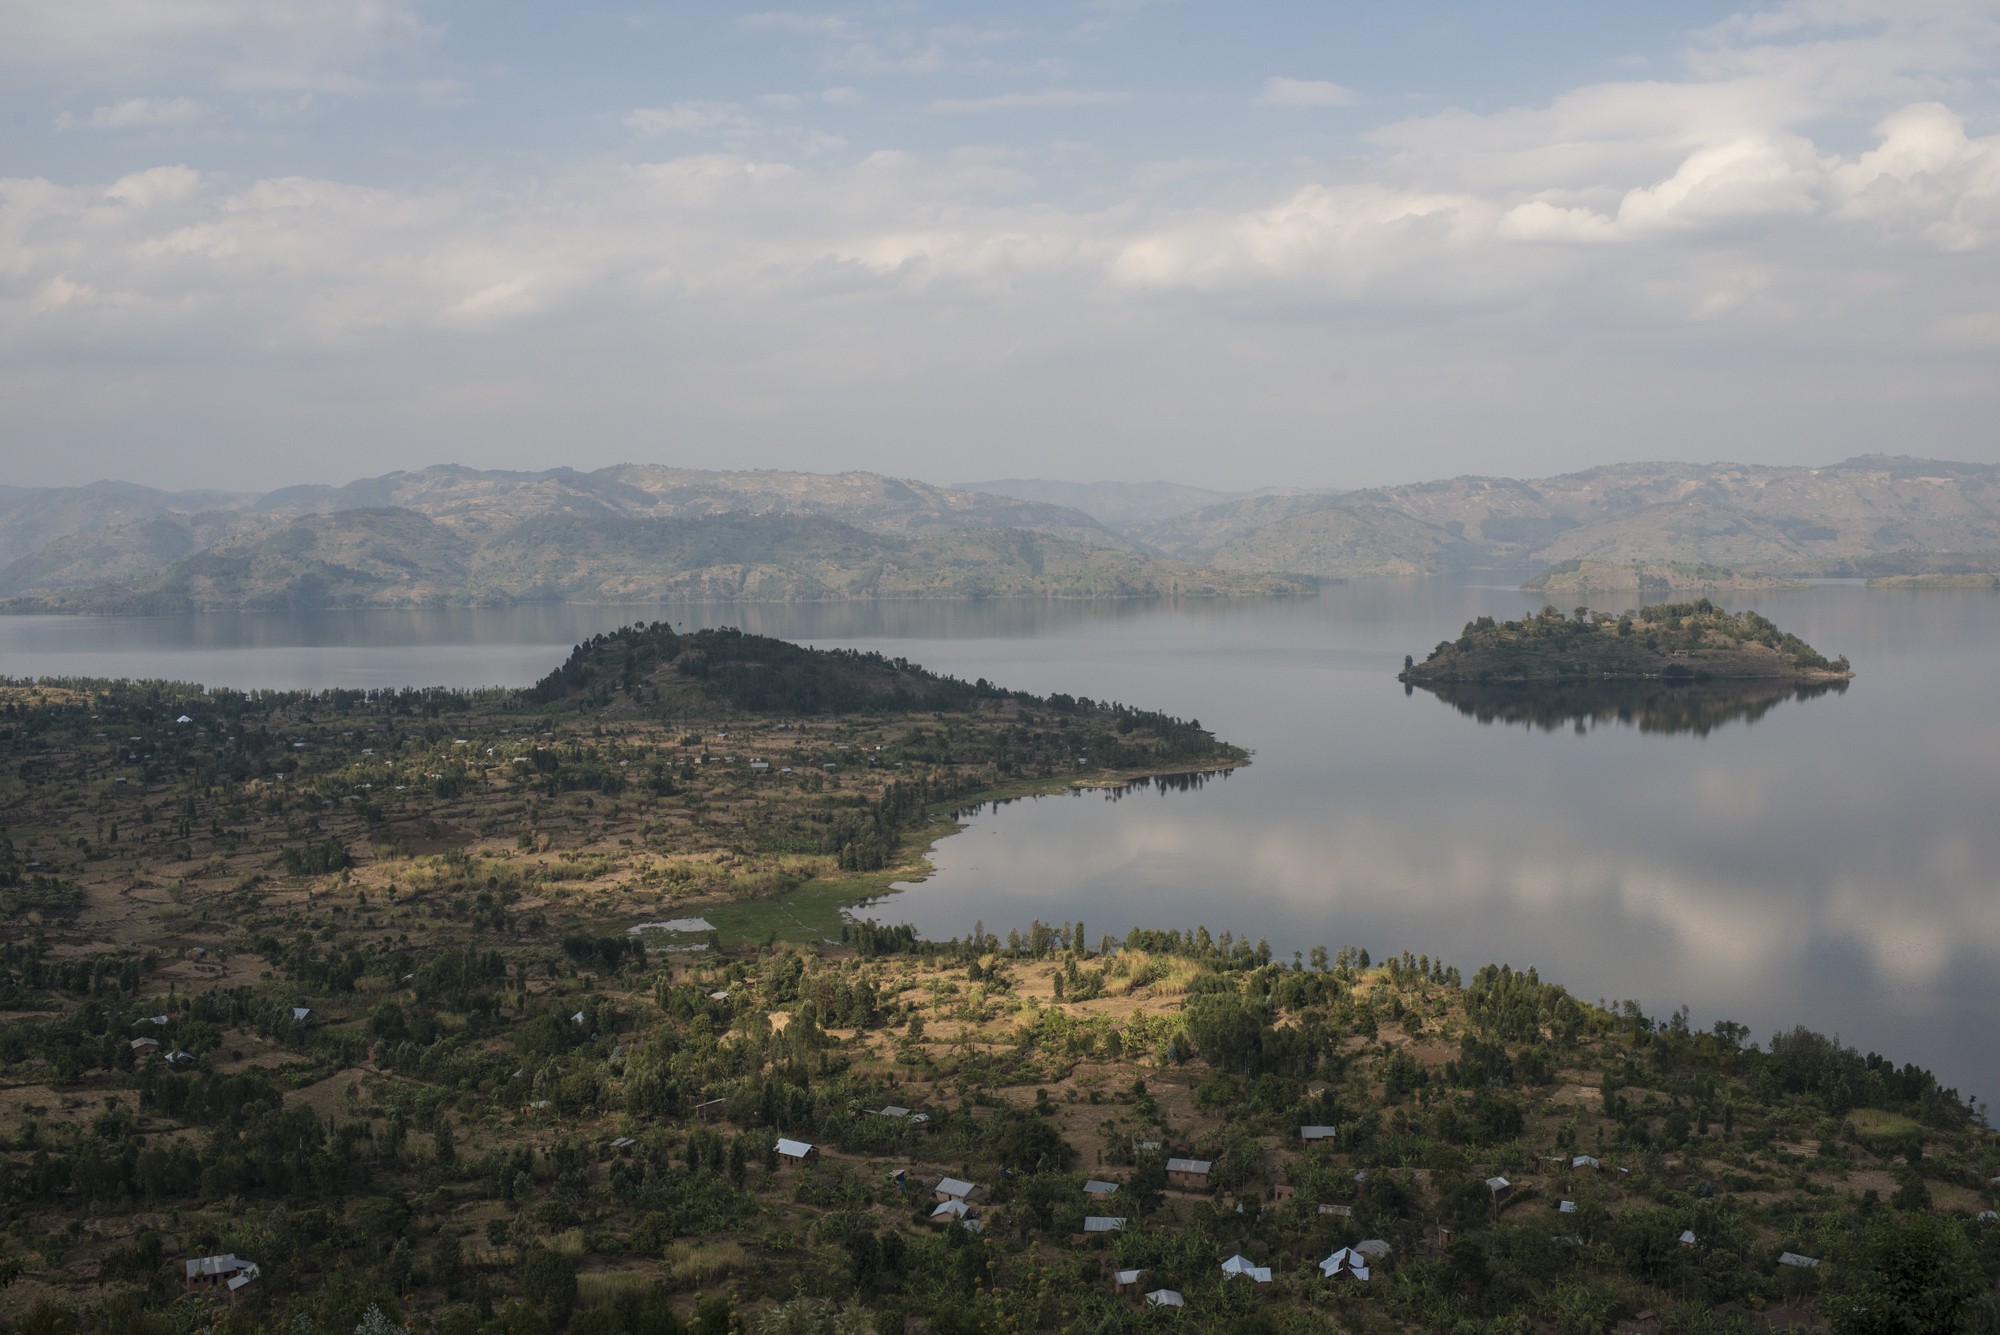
(1649, 706)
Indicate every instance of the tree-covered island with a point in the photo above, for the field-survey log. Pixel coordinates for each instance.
(324, 1013)
(1695, 641)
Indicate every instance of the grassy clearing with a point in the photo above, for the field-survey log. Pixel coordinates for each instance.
(692, 1263)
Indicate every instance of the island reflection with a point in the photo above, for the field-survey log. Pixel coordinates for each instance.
(1651, 705)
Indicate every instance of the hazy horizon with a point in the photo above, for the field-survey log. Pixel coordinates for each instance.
(253, 244)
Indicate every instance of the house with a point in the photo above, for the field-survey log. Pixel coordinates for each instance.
(1126, 1281)
(1988, 1217)
(948, 1211)
(578, 1018)
(1499, 1186)
(1144, 1146)
(623, 1142)
(184, 719)
(760, 766)
(957, 1189)
(890, 1110)
(1375, 1249)
(1344, 1211)
(1241, 1265)
(141, 1045)
(1189, 1173)
(153, 1019)
(798, 1151)
(1585, 1161)
(1345, 1264)
(225, 1276)
(1688, 1239)
(1565, 1207)
(1165, 1298)
(1802, 1262)
(178, 1057)
(1102, 1224)
(723, 995)
(1100, 1189)
(1313, 1135)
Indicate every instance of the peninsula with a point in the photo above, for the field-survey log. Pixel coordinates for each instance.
(488, 1013)
(1648, 579)
(1692, 641)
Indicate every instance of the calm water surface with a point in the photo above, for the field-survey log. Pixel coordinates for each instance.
(1832, 861)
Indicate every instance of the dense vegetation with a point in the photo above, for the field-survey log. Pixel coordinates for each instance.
(1694, 641)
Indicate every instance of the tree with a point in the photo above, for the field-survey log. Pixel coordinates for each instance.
(1915, 1275)
(549, 1281)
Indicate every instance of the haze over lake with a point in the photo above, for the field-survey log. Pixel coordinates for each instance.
(1824, 861)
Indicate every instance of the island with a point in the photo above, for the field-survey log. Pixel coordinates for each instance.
(512, 1012)
(1696, 641)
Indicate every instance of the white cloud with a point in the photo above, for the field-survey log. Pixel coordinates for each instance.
(681, 117)
(138, 113)
(1789, 279)
(245, 45)
(1279, 91)
(1040, 99)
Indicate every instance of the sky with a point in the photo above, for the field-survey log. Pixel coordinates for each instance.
(246, 243)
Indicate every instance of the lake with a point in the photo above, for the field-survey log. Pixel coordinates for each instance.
(1832, 861)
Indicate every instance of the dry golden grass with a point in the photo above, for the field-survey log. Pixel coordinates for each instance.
(568, 1243)
(690, 1263)
(601, 1286)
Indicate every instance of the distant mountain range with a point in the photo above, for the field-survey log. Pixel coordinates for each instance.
(1118, 506)
(449, 535)
(633, 533)
(1868, 516)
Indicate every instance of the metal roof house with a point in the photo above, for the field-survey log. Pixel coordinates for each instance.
(1098, 1187)
(1165, 1298)
(1312, 1135)
(1345, 1264)
(1375, 1249)
(226, 1276)
(798, 1151)
(1102, 1224)
(1126, 1281)
(1801, 1262)
(958, 1189)
(1189, 1172)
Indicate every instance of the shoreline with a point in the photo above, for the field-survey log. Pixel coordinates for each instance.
(815, 910)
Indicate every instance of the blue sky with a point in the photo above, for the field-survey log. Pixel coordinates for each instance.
(249, 242)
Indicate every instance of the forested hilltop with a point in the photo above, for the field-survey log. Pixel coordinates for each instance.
(1692, 641)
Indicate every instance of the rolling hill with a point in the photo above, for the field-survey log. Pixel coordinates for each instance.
(1872, 515)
